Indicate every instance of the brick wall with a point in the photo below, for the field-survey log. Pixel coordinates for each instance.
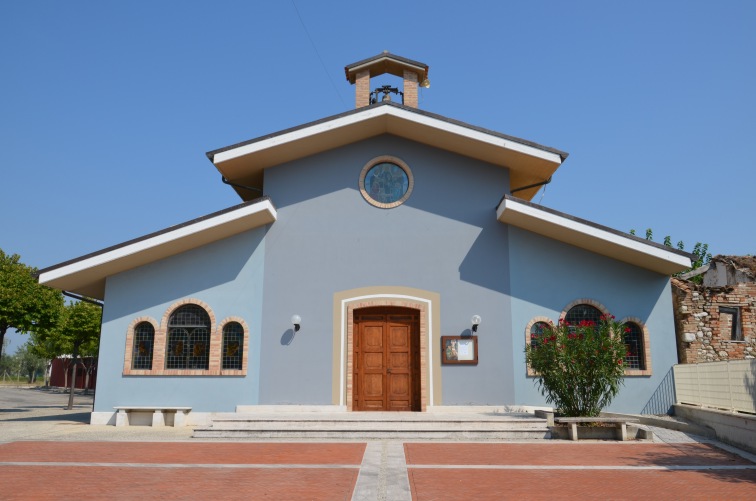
(362, 91)
(410, 89)
(698, 317)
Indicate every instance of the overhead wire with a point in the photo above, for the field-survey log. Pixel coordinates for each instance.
(318, 53)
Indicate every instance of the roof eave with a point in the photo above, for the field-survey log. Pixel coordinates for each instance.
(86, 275)
(592, 237)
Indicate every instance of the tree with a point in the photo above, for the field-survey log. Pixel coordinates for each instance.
(31, 363)
(24, 304)
(77, 332)
(579, 368)
(701, 254)
(48, 348)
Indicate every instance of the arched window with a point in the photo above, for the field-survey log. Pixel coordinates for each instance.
(233, 346)
(583, 312)
(635, 357)
(188, 343)
(144, 342)
(536, 331)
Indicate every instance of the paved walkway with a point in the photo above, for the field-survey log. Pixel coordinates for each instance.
(46, 453)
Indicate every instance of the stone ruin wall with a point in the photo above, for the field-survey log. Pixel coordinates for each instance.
(697, 314)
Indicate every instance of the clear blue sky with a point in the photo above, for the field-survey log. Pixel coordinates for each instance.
(107, 108)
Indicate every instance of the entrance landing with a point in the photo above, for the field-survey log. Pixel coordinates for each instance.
(376, 425)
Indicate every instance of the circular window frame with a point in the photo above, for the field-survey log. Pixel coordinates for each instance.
(392, 160)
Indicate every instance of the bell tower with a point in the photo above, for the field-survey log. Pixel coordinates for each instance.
(413, 73)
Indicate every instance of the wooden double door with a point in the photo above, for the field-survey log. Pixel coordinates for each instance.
(386, 359)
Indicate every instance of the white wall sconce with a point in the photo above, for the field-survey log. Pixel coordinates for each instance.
(476, 320)
(297, 321)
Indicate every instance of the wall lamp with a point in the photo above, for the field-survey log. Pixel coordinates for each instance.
(476, 320)
(297, 321)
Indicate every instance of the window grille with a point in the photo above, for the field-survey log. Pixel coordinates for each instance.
(144, 341)
(188, 345)
(635, 356)
(233, 346)
(536, 331)
(583, 312)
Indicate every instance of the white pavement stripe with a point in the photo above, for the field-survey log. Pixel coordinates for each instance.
(570, 467)
(180, 465)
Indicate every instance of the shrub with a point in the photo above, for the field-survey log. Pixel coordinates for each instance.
(579, 368)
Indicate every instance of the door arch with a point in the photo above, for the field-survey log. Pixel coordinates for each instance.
(347, 301)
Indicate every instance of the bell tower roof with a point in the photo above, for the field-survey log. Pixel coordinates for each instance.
(387, 62)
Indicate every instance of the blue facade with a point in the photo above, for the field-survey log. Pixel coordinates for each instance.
(445, 240)
(547, 276)
(226, 275)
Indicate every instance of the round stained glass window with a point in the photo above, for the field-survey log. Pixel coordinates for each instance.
(386, 182)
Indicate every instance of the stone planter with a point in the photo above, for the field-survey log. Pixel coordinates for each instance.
(598, 432)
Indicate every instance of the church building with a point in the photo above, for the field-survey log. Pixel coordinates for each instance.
(383, 259)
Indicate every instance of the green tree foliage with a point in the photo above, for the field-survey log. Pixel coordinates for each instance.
(9, 365)
(24, 304)
(77, 334)
(701, 254)
(579, 368)
(30, 362)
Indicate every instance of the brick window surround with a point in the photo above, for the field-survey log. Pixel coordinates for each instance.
(646, 354)
(646, 340)
(158, 359)
(528, 329)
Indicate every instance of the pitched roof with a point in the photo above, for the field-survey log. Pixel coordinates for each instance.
(528, 162)
(591, 236)
(86, 275)
(386, 62)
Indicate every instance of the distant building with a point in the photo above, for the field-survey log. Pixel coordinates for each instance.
(361, 240)
(86, 373)
(716, 320)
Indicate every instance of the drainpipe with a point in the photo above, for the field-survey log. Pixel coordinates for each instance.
(250, 188)
(531, 186)
(83, 298)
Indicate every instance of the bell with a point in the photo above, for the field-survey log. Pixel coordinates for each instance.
(386, 97)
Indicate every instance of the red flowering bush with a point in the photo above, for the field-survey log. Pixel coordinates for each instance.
(579, 368)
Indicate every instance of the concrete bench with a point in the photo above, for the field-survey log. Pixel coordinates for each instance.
(158, 418)
(619, 423)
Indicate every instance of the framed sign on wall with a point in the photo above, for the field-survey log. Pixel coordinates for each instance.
(459, 350)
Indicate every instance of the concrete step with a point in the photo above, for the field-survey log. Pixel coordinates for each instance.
(374, 435)
(421, 426)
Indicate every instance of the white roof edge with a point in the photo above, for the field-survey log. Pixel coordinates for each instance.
(158, 240)
(379, 59)
(590, 232)
(368, 114)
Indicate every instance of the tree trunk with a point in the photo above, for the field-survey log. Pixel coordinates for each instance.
(73, 385)
(75, 358)
(86, 380)
(67, 366)
(48, 374)
(3, 328)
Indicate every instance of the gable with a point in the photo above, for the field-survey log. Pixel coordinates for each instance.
(528, 163)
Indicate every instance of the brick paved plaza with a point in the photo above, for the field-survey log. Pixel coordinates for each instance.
(49, 454)
(330, 471)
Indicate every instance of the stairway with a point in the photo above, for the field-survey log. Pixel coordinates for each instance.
(375, 425)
